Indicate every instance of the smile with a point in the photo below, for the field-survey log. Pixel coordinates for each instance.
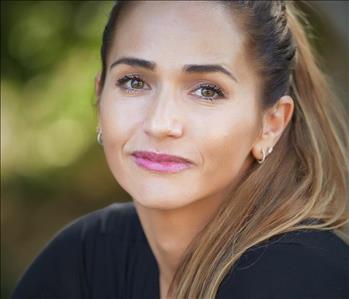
(161, 166)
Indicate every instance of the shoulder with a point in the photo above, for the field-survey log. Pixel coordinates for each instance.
(117, 223)
(64, 266)
(302, 264)
(118, 219)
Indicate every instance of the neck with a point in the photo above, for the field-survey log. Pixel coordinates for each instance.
(169, 232)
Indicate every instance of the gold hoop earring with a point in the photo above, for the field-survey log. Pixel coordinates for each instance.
(99, 136)
(265, 154)
(260, 161)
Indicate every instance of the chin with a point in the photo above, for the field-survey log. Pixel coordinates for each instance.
(159, 202)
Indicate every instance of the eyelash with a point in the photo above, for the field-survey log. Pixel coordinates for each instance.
(219, 92)
(127, 78)
(121, 82)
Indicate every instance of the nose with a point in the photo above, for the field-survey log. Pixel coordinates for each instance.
(163, 118)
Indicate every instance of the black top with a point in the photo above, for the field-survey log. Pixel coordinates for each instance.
(105, 255)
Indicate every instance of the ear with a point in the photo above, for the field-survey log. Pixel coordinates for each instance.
(98, 86)
(275, 120)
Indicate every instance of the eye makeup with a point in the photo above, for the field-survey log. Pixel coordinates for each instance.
(209, 92)
(134, 83)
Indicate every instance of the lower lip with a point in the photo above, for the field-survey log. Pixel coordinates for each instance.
(166, 167)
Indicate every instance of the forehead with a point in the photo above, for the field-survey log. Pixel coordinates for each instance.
(174, 33)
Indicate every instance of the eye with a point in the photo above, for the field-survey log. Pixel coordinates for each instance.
(209, 92)
(132, 83)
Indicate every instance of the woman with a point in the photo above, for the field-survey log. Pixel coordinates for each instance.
(216, 119)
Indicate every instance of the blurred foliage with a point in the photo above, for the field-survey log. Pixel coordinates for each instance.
(52, 168)
(50, 57)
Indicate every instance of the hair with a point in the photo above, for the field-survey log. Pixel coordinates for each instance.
(306, 177)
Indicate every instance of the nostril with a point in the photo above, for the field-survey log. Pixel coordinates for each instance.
(156, 129)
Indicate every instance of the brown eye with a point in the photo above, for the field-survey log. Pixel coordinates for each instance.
(208, 93)
(136, 83)
(132, 83)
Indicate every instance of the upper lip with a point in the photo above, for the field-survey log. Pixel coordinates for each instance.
(159, 157)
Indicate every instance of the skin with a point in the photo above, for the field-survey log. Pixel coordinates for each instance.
(170, 114)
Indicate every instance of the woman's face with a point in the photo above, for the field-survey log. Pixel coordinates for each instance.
(187, 89)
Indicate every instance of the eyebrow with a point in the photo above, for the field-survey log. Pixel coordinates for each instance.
(189, 68)
(134, 62)
(208, 68)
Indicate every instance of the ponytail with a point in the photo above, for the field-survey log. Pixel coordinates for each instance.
(319, 135)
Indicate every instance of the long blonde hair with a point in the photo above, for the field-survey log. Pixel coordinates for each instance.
(306, 176)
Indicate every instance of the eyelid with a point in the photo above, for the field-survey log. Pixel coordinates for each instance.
(127, 77)
(209, 83)
(220, 91)
(206, 84)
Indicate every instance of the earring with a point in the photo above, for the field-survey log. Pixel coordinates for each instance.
(99, 136)
(265, 154)
(260, 161)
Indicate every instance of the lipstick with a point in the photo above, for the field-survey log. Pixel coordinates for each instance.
(160, 162)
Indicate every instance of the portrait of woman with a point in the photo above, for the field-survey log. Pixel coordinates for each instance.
(218, 121)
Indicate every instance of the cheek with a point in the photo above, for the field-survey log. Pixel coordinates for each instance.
(119, 123)
(227, 145)
(118, 120)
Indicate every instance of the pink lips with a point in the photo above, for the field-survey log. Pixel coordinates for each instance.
(160, 162)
